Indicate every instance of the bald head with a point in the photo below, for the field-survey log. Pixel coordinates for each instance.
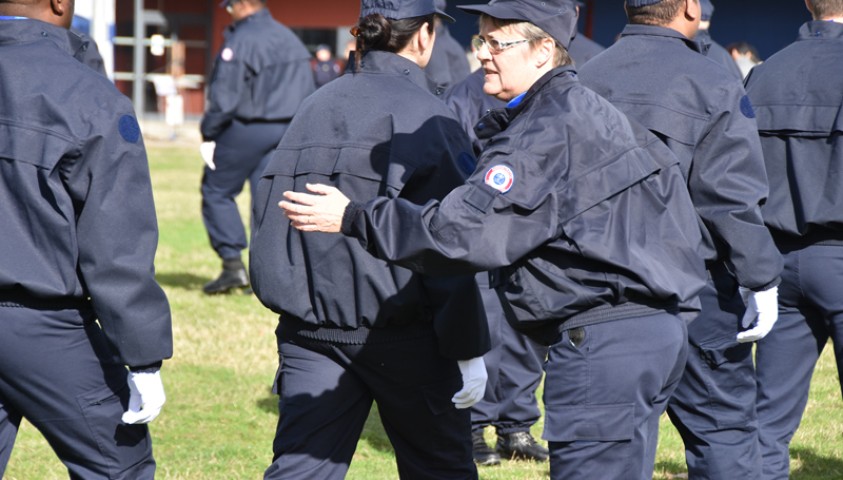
(57, 12)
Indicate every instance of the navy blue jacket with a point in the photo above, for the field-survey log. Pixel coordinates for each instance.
(716, 52)
(374, 132)
(587, 214)
(85, 50)
(448, 62)
(659, 78)
(583, 49)
(261, 74)
(798, 97)
(469, 103)
(77, 208)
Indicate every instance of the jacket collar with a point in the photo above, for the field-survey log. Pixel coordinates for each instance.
(656, 31)
(376, 61)
(499, 119)
(29, 30)
(820, 29)
(261, 14)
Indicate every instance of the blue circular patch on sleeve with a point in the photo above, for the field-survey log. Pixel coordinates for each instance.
(746, 107)
(129, 129)
(467, 163)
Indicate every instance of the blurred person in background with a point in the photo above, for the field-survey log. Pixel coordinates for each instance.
(448, 63)
(325, 66)
(798, 97)
(260, 76)
(712, 49)
(745, 56)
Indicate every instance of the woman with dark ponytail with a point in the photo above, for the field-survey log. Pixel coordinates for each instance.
(354, 329)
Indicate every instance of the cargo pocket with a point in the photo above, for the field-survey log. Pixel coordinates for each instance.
(122, 446)
(589, 423)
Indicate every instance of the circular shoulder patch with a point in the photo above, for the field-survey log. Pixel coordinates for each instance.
(227, 54)
(746, 107)
(500, 177)
(129, 128)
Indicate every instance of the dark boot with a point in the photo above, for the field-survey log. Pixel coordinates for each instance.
(521, 445)
(233, 276)
(483, 454)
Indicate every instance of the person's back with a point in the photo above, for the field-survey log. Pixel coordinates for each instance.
(381, 152)
(656, 74)
(78, 296)
(798, 98)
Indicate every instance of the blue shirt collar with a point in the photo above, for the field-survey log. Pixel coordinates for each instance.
(516, 101)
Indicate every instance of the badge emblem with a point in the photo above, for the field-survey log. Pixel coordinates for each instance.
(500, 178)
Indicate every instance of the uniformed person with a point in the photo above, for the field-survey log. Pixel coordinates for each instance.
(582, 48)
(515, 362)
(85, 50)
(798, 96)
(589, 220)
(448, 64)
(78, 297)
(656, 75)
(712, 49)
(354, 329)
(260, 77)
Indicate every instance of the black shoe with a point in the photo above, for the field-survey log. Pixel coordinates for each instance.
(483, 454)
(521, 445)
(233, 276)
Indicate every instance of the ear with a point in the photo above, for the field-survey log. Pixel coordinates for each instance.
(426, 37)
(544, 52)
(693, 10)
(58, 7)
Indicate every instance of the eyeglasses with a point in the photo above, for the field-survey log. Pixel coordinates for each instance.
(495, 46)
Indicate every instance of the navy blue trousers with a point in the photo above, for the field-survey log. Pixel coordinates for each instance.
(514, 365)
(606, 386)
(242, 153)
(326, 393)
(58, 372)
(713, 407)
(810, 313)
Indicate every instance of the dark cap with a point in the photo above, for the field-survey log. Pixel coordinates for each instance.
(400, 9)
(707, 10)
(641, 3)
(557, 18)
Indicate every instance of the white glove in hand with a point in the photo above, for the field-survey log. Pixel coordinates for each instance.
(473, 382)
(146, 397)
(207, 152)
(762, 311)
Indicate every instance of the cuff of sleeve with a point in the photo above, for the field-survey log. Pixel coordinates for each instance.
(348, 217)
(152, 367)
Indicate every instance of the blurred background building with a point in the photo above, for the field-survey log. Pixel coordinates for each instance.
(158, 52)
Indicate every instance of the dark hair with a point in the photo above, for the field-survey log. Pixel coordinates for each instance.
(744, 48)
(821, 9)
(376, 32)
(660, 13)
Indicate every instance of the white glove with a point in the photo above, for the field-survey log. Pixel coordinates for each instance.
(762, 311)
(146, 397)
(473, 382)
(207, 152)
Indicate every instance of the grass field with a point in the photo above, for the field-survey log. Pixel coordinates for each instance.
(220, 416)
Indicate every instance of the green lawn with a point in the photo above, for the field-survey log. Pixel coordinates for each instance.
(220, 416)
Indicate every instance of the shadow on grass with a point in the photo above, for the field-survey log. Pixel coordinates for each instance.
(815, 467)
(184, 281)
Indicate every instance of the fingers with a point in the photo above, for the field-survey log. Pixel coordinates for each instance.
(144, 415)
(320, 188)
(751, 335)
